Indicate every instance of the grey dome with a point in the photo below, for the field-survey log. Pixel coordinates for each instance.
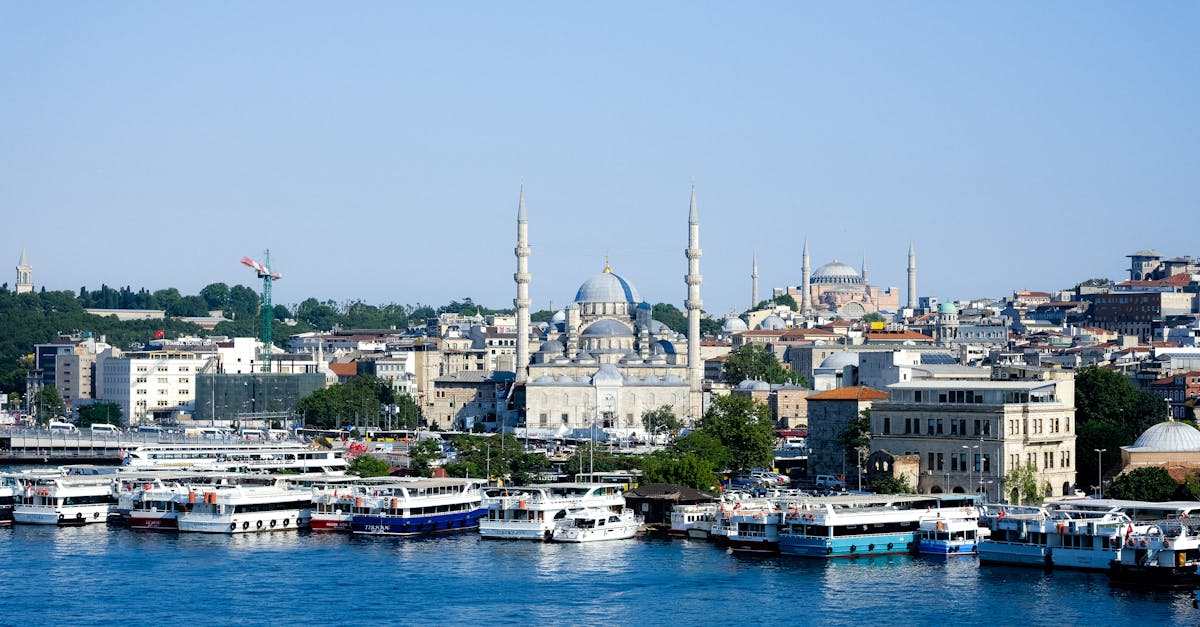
(836, 272)
(733, 325)
(631, 358)
(558, 317)
(607, 287)
(654, 327)
(607, 328)
(772, 323)
(754, 386)
(552, 346)
(607, 374)
(839, 360)
(1169, 436)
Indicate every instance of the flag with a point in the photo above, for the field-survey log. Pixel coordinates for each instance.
(160, 334)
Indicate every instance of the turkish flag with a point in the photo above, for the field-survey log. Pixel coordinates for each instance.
(160, 334)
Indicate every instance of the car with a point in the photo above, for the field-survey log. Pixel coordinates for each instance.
(831, 482)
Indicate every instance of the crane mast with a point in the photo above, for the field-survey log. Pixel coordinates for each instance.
(263, 270)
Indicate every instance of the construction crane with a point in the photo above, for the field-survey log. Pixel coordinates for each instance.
(268, 311)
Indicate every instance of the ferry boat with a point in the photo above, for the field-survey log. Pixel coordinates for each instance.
(334, 499)
(949, 536)
(853, 525)
(754, 526)
(1018, 534)
(1159, 554)
(692, 521)
(596, 524)
(246, 509)
(265, 457)
(418, 506)
(530, 512)
(61, 499)
(11, 486)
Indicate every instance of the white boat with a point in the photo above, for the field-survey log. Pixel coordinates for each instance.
(530, 512)
(871, 524)
(11, 487)
(333, 501)
(58, 499)
(246, 509)
(949, 535)
(596, 524)
(753, 526)
(265, 457)
(692, 521)
(1159, 554)
(418, 506)
(1018, 534)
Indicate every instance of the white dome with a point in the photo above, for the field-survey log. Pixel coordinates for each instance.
(607, 287)
(836, 272)
(772, 323)
(839, 360)
(1169, 436)
(607, 374)
(733, 325)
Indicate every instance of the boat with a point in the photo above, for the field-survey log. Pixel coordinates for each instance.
(418, 506)
(953, 535)
(857, 525)
(261, 457)
(596, 524)
(530, 512)
(333, 501)
(1017, 534)
(753, 526)
(11, 487)
(64, 499)
(246, 509)
(694, 520)
(1159, 554)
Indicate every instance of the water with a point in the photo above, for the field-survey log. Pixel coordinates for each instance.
(98, 575)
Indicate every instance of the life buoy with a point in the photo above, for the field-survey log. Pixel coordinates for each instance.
(233, 526)
(853, 548)
(61, 517)
(246, 525)
(78, 515)
(258, 525)
(272, 524)
(1132, 542)
(889, 546)
(829, 550)
(1144, 543)
(870, 547)
(286, 521)
(95, 514)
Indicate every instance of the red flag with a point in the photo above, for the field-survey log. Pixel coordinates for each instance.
(160, 334)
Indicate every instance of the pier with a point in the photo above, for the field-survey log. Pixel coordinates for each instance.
(38, 446)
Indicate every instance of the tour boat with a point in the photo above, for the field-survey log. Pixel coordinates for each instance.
(1160, 554)
(595, 524)
(530, 512)
(1058, 534)
(692, 521)
(158, 506)
(264, 457)
(60, 499)
(754, 527)
(949, 536)
(246, 509)
(417, 506)
(11, 486)
(1018, 534)
(333, 501)
(854, 525)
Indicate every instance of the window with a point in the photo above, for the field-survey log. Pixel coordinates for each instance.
(930, 425)
(931, 460)
(987, 463)
(141, 379)
(939, 461)
(887, 425)
(954, 427)
(975, 464)
(939, 426)
(1066, 459)
(954, 463)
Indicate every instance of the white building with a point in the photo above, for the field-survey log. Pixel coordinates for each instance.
(149, 386)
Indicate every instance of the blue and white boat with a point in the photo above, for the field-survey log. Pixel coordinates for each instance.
(854, 525)
(410, 507)
(949, 535)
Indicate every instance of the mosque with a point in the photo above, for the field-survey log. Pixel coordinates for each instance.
(840, 290)
(603, 361)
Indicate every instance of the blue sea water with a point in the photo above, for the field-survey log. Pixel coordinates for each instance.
(105, 576)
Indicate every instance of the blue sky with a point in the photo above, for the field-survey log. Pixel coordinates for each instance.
(377, 148)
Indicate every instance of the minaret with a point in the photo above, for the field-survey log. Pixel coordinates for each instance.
(912, 277)
(754, 284)
(522, 277)
(24, 275)
(864, 271)
(693, 279)
(805, 279)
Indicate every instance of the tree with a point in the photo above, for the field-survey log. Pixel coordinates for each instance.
(408, 413)
(787, 301)
(1148, 483)
(709, 327)
(49, 404)
(1022, 481)
(743, 426)
(670, 315)
(874, 316)
(368, 466)
(243, 302)
(704, 446)
(891, 485)
(500, 456)
(661, 419)
(422, 455)
(683, 469)
(100, 413)
(216, 295)
(1110, 412)
(590, 458)
(753, 361)
(856, 437)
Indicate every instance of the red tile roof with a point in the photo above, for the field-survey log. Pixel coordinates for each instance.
(856, 393)
(347, 369)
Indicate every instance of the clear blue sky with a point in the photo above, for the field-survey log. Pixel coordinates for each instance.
(377, 148)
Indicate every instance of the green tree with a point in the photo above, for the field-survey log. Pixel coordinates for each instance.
(100, 413)
(591, 458)
(408, 413)
(786, 300)
(891, 485)
(873, 316)
(216, 296)
(1148, 483)
(743, 426)
(704, 446)
(709, 327)
(495, 456)
(670, 315)
(753, 361)
(49, 404)
(422, 455)
(856, 437)
(661, 420)
(368, 466)
(1021, 480)
(682, 469)
(1110, 412)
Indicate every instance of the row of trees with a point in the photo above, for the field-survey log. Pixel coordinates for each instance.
(362, 401)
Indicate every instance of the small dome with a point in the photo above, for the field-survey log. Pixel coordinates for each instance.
(754, 386)
(607, 374)
(607, 328)
(947, 308)
(585, 357)
(607, 287)
(734, 325)
(1169, 436)
(631, 358)
(552, 346)
(654, 327)
(559, 316)
(672, 378)
(839, 360)
(544, 379)
(772, 323)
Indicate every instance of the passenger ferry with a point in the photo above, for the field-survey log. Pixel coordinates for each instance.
(11, 486)
(62, 499)
(753, 526)
(853, 525)
(949, 536)
(530, 512)
(1159, 554)
(334, 500)
(1058, 535)
(244, 457)
(418, 506)
(692, 521)
(596, 524)
(246, 509)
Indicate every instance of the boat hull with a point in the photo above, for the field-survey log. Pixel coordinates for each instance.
(260, 522)
(515, 531)
(153, 522)
(933, 547)
(1019, 554)
(1153, 576)
(330, 522)
(63, 517)
(416, 525)
(883, 544)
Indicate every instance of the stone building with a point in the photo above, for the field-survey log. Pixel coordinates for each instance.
(829, 413)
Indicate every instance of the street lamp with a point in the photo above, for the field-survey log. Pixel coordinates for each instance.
(1100, 471)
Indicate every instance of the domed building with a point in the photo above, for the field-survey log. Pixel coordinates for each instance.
(841, 290)
(1172, 445)
(604, 361)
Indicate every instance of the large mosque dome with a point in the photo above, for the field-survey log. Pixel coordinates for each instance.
(1169, 436)
(836, 273)
(607, 287)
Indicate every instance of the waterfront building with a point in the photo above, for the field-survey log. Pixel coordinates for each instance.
(970, 432)
(150, 386)
(829, 414)
(464, 399)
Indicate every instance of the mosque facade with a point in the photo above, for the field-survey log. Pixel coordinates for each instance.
(603, 361)
(839, 289)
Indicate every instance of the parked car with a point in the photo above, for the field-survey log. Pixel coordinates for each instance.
(831, 482)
